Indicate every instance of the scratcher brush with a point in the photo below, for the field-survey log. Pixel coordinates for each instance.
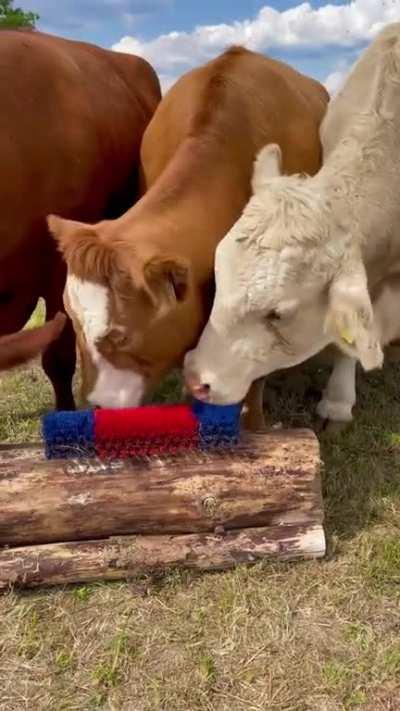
(141, 431)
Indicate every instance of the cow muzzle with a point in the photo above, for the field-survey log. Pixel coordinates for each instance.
(206, 385)
(224, 385)
(199, 390)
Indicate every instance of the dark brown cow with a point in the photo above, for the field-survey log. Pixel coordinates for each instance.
(139, 288)
(71, 122)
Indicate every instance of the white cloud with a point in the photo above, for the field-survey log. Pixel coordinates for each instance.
(300, 27)
(335, 80)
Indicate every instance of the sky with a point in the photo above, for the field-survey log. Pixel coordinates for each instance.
(320, 39)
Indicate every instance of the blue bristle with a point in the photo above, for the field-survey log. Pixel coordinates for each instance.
(218, 424)
(69, 434)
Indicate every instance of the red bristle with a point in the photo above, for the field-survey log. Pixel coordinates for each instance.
(144, 430)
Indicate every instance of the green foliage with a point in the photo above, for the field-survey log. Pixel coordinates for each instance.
(14, 17)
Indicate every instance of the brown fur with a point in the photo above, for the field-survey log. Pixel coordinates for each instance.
(214, 92)
(71, 122)
(197, 158)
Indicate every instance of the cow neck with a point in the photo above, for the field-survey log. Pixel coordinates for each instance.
(194, 202)
(348, 198)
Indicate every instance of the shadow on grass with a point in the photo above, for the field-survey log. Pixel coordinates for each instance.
(361, 476)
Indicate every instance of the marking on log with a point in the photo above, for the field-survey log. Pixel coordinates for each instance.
(93, 467)
(80, 499)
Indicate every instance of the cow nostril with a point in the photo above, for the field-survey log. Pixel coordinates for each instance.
(201, 391)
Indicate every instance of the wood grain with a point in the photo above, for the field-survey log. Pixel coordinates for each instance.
(271, 480)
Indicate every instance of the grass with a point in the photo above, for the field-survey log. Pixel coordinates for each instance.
(315, 636)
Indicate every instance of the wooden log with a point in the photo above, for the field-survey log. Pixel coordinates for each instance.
(127, 556)
(272, 479)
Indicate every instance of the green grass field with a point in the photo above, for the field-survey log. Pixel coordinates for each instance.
(318, 636)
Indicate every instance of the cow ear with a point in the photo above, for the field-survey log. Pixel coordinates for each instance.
(86, 253)
(167, 281)
(350, 319)
(266, 166)
(64, 231)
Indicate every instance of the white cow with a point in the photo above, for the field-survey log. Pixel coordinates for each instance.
(315, 261)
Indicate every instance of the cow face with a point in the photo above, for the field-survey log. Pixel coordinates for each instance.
(289, 281)
(124, 304)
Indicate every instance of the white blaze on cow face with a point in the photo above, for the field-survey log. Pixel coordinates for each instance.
(89, 302)
(289, 280)
(113, 387)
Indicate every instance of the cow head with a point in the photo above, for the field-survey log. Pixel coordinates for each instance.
(126, 302)
(289, 281)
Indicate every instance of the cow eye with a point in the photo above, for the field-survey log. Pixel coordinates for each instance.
(118, 337)
(122, 339)
(273, 315)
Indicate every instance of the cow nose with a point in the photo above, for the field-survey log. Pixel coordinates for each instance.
(199, 390)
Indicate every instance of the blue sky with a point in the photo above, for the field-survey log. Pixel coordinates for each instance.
(320, 39)
(105, 21)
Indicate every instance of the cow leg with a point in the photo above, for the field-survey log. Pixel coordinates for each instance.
(339, 397)
(253, 410)
(59, 360)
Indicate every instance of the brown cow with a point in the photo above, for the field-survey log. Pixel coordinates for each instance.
(71, 122)
(140, 288)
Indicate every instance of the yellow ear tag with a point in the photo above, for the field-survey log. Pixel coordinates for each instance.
(346, 336)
